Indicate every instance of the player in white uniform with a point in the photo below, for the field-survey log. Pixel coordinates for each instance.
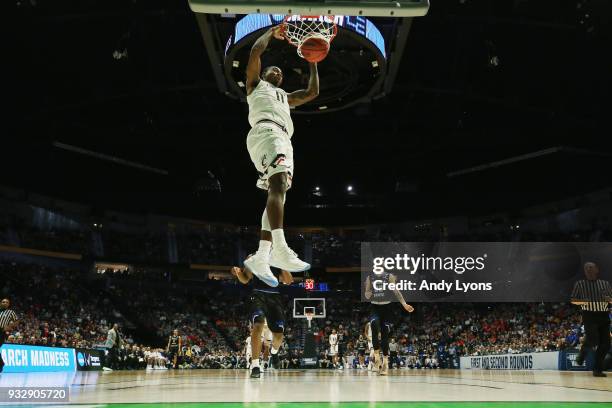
(269, 146)
(333, 347)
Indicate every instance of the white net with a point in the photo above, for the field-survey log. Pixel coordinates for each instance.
(298, 29)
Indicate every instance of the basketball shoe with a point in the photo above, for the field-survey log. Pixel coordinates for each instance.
(275, 361)
(255, 372)
(259, 265)
(284, 258)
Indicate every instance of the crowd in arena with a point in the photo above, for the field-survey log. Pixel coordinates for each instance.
(60, 306)
(55, 309)
(72, 305)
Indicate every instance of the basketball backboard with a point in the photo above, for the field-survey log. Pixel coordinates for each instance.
(304, 306)
(378, 8)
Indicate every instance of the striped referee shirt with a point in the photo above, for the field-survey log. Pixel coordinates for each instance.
(596, 293)
(7, 317)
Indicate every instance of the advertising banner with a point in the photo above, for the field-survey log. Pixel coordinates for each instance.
(19, 358)
(567, 361)
(527, 361)
(89, 359)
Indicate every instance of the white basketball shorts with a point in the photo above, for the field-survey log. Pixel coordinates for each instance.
(271, 152)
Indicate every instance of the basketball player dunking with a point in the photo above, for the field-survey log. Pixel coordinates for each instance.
(270, 149)
(266, 305)
(382, 317)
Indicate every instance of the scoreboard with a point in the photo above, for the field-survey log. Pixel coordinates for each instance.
(358, 24)
(311, 285)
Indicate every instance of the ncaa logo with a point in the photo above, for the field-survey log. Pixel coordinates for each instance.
(81, 359)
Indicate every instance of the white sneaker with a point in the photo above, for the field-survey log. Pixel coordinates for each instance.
(259, 266)
(284, 258)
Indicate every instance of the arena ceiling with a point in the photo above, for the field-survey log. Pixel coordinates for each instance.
(115, 104)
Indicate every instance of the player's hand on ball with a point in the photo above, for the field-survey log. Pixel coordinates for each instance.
(408, 308)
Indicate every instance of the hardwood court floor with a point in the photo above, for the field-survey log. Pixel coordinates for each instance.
(323, 388)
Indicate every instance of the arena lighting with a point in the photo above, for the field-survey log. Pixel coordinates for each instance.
(349, 188)
(504, 162)
(102, 156)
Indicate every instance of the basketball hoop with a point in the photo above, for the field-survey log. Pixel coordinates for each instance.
(317, 31)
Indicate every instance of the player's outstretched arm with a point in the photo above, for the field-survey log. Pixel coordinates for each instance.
(400, 297)
(243, 275)
(253, 70)
(303, 96)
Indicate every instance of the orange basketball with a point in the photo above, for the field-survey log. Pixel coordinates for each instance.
(314, 49)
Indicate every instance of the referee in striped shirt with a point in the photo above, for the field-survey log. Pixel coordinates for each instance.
(594, 295)
(8, 318)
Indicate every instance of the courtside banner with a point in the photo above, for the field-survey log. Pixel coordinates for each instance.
(477, 271)
(20, 358)
(89, 359)
(526, 361)
(567, 361)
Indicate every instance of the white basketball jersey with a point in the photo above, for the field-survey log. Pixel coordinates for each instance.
(268, 102)
(369, 332)
(333, 339)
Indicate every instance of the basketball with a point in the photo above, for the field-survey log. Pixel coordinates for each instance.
(315, 49)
